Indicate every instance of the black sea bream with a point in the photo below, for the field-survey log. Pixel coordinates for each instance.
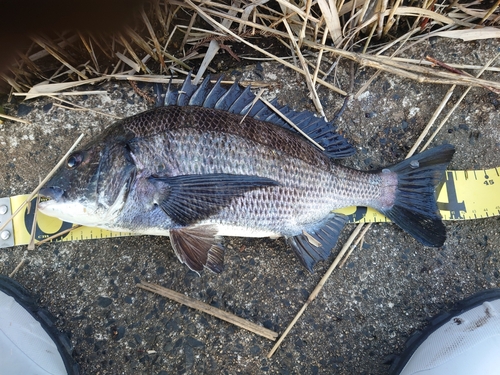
(209, 162)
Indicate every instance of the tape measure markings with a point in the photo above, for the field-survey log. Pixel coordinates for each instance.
(462, 195)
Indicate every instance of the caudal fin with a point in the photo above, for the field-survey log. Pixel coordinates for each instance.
(415, 208)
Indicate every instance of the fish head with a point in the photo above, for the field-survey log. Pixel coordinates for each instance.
(93, 185)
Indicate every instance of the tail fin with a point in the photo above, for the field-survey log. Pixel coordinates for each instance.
(415, 208)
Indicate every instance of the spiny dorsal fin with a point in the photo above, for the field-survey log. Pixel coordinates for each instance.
(186, 92)
(200, 95)
(239, 100)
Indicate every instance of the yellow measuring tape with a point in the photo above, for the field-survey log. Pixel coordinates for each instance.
(463, 195)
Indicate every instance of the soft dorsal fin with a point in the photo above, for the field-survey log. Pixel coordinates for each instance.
(239, 100)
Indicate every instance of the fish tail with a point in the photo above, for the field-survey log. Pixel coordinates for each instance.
(414, 207)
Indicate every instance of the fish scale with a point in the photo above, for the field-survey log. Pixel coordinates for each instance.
(196, 151)
(230, 167)
(231, 154)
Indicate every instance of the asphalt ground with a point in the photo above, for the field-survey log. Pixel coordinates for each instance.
(387, 289)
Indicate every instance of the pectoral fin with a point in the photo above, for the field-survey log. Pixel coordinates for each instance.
(188, 199)
(316, 243)
(198, 247)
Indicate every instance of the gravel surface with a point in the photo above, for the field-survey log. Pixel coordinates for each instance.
(387, 289)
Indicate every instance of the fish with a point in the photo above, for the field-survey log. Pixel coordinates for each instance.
(209, 162)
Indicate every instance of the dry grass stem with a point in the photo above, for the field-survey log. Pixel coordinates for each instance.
(203, 307)
(277, 111)
(76, 93)
(139, 41)
(154, 38)
(43, 89)
(188, 30)
(90, 50)
(18, 267)
(319, 60)
(255, 100)
(132, 53)
(43, 53)
(330, 13)
(307, 75)
(360, 239)
(165, 28)
(453, 65)
(57, 235)
(435, 115)
(390, 18)
(52, 49)
(12, 118)
(316, 290)
(76, 107)
(418, 73)
(473, 34)
(455, 106)
(302, 33)
(136, 67)
(490, 12)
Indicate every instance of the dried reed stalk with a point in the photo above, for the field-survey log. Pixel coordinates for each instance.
(208, 309)
(347, 23)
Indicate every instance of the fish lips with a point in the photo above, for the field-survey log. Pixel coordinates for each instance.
(52, 192)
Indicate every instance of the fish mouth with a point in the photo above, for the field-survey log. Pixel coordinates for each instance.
(52, 192)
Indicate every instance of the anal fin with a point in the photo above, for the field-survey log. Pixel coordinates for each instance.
(198, 247)
(316, 243)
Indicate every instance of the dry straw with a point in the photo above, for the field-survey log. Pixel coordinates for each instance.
(166, 29)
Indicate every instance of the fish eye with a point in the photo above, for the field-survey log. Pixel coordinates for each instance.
(74, 160)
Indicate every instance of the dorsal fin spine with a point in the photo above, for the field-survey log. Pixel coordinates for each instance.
(201, 93)
(214, 94)
(186, 92)
(239, 101)
(229, 97)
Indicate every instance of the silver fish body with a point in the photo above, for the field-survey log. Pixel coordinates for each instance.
(197, 172)
(308, 184)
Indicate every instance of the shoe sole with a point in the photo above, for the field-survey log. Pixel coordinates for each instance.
(398, 361)
(15, 290)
